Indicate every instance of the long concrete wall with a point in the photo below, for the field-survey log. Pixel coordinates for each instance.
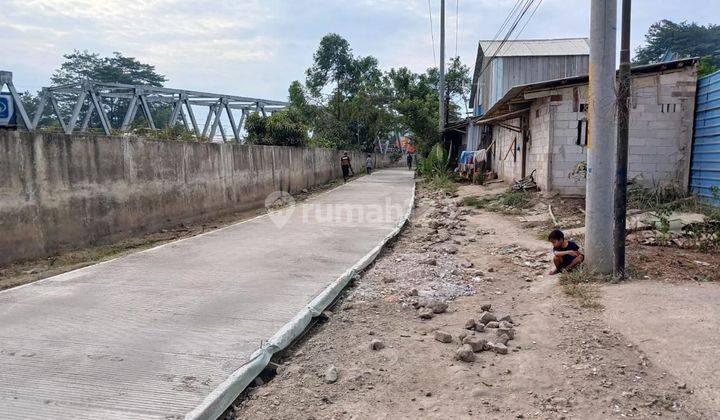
(59, 192)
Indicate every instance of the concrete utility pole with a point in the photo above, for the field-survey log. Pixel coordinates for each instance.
(441, 84)
(622, 143)
(601, 145)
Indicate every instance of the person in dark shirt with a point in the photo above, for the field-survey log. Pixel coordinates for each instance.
(409, 161)
(566, 254)
(345, 166)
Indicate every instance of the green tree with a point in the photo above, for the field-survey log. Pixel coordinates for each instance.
(83, 65)
(685, 39)
(706, 66)
(282, 128)
(349, 99)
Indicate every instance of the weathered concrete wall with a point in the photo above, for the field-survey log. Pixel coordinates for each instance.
(60, 191)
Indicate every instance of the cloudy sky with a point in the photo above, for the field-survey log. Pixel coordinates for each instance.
(257, 47)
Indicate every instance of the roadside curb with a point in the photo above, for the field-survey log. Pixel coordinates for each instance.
(215, 403)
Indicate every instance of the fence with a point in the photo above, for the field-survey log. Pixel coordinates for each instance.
(705, 169)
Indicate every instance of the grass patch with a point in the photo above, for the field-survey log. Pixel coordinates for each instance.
(444, 183)
(663, 201)
(577, 284)
(509, 202)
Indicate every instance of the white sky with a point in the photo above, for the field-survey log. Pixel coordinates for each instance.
(257, 47)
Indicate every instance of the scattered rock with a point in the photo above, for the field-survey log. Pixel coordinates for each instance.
(490, 270)
(451, 249)
(485, 307)
(492, 324)
(304, 190)
(443, 337)
(480, 327)
(377, 345)
(258, 381)
(467, 264)
(413, 292)
(388, 279)
(465, 353)
(347, 306)
(506, 318)
(505, 324)
(437, 306)
(331, 375)
(486, 317)
(34, 271)
(499, 348)
(476, 343)
(509, 332)
(470, 324)
(503, 338)
(425, 313)
(430, 261)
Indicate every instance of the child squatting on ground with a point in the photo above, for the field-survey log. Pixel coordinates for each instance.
(566, 254)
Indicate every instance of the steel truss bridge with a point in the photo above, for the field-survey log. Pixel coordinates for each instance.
(90, 101)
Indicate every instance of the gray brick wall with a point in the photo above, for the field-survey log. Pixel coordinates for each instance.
(661, 118)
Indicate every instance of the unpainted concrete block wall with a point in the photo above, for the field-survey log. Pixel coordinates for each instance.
(661, 119)
(60, 192)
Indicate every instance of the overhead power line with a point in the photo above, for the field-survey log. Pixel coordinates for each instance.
(432, 34)
(514, 18)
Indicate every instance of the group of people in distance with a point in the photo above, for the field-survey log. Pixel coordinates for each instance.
(347, 170)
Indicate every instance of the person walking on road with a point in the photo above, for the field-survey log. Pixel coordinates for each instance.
(345, 166)
(409, 161)
(368, 164)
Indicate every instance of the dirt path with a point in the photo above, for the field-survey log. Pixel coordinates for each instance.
(677, 326)
(564, 362)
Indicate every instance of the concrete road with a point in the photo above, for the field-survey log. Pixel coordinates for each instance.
(151, 334)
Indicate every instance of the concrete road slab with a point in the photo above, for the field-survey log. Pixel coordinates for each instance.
(676, 325)
(152, 334)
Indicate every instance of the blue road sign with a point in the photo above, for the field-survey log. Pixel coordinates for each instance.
(4, 108)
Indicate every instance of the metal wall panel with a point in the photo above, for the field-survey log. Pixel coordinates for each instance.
(705, 170)
(504, 73)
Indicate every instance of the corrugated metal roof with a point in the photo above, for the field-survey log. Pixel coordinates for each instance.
(537, 47)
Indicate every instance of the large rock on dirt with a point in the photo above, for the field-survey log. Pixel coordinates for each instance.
(506, 318)
(492, 324)
(486, 317)
(425, 313)
(470, 324)
(476, 343)
(443, 337)
(465, 353)
(479, 327)
(331, 375)
(485, 307)
(505, 324)
(437, 306)
(377, 345)
(510, 332)
(502, 338)
(499, 348)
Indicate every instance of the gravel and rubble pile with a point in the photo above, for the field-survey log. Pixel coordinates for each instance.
(429, 268)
